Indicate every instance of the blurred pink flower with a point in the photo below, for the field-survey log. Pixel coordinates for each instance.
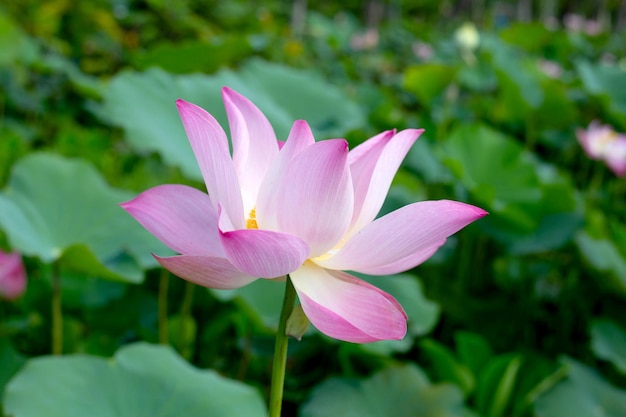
(422, 50)
(365, 41)
(12, 275)
(595, 139)
(601, 142)
(616, 156)
(304, 208)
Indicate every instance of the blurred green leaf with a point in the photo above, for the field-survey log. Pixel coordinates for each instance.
(608, 342)
(473, 349)
(80, 290)
(399, 391)
(532, 207)
(195, 55)
(583, 394)
(182, 331)
(427, 81)
(144, 105)
(140, 380)
(10, 363)
(601, 80)
(494, 390)
(14, 44)
(520, 90)
(61, 209)
(446, 366)
(603, 254)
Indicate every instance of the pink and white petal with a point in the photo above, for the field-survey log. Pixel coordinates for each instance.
(263, 253)
(299, 138)
(181, 217)
(412, 229)
(406, 263)
(616, 156)
(254, 144)
(210, 146)
(347, 308)
(207, 271)
(372, 146)
(315, 197)
(362, 161)
(374, 182)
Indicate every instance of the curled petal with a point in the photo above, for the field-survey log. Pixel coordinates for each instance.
(373, 172)
(181, 217)
(254, 144)
(207, 271)
(411, 232)
(263, 253)
(210, 146)
(315, 195)
(299, 138)
(347, 308)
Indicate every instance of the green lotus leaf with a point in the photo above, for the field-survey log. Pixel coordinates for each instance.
(140, 380)
(402, 391)
(62, 210)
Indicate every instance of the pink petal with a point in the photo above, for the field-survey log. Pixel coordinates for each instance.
(406, 263)
(347, 308)
(616, 156)
(181, 217)
(207, 271)
(373, 173)
(264, 253)
(373, 145)
(411, 232)
(299, 138)
(12, 275)
(210, 145)
(315, 195)
(254, 144)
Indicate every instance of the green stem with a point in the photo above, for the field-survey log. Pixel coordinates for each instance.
(185, 313)
(280, 351)
(57, 311)
(163, 288)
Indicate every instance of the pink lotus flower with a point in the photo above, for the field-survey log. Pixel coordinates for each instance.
(601, 142)
(304, 208)
(12, 275)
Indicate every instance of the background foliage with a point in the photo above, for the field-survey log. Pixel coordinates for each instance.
(520, 314)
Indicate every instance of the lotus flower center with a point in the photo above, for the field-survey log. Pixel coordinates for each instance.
(251, 221)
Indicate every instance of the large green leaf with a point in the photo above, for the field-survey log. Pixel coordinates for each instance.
(402, 391)
(140, 380)
(603, 254)
(601, 80)
(532, 207)
(519, 87)
(583, 394)
(608, 341)
(61, 209)
(143, 104)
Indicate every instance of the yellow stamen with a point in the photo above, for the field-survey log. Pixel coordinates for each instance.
(251, 222)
